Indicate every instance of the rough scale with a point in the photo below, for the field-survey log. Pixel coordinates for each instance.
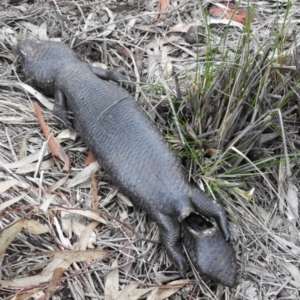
(129, 147)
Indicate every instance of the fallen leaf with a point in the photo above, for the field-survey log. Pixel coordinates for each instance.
(44, 277)
(23, 149)
(61, 262)
(43, 32)
(161, 9)
(292, 201)
(45, 205)
(28, 168)
(84, 175)
(132, 292)
(35, 227)
(110, 25)
(57, 273)
(293, 270)
(181, 27)
(53, 144)
(24, 161)
(31, 27)
(11, 201)
(33, 294)
(124, 199)
(229, 11)
(75, 256)
(10, 232)
(86, 213)
(5, 185)
(87, 237)
(67, 134)
(58, 183)
(7, 236)
(112, 282)
(124, 52)
(166, 63)
(127, 291)
(170, 288)
(42, 99)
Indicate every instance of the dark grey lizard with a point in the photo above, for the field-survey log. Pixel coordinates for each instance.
(125, 141)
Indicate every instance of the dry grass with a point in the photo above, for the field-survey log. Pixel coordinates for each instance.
(236, 129)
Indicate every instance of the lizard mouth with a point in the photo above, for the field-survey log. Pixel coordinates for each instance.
(185, 213)
(209, 252)
(197, 223)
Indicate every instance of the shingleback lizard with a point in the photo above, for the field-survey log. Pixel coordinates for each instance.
(133, 153)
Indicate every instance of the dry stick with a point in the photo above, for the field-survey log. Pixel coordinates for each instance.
(53, 144)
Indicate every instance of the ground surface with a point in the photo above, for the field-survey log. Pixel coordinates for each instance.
(236, 128)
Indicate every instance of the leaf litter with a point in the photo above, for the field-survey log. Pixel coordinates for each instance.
(235, 128)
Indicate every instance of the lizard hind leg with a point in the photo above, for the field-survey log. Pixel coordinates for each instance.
(208, 207)
(169, 230)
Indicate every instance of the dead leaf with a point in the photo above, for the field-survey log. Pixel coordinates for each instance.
(84, 175)
(166, 63)
(33, 294)
(161, 9)
(43, 32)
(292, 201)
(6, 185)
(86, 213)
(293, 270)
(42, 99)
(57, 273)
(35, 227)
(58, 183)
(132, 292)
(10, 232)
(76, 256)
(124, 52)
(153, 294)
(171, 288)
(44, 277)
(7, 236)
(226, 22)
(61, 262)
(33, 28)
(87, 237)
(126, 292)
(110, 25)
(45, 205)
(53, 144)
(112, 282)
(124, 199)
(182, 27)
(67, 134)
(23, 149)
(11, 201)
(23, 163)
(229, 11)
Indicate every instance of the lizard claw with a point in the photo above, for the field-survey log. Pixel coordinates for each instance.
(129, 86)
(65, 118)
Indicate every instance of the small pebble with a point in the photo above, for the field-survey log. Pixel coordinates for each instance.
(195, 35)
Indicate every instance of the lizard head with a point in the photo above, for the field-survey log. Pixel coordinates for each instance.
(209, 252)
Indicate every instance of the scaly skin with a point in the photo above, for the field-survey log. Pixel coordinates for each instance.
(209, 252)
(123, 139)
